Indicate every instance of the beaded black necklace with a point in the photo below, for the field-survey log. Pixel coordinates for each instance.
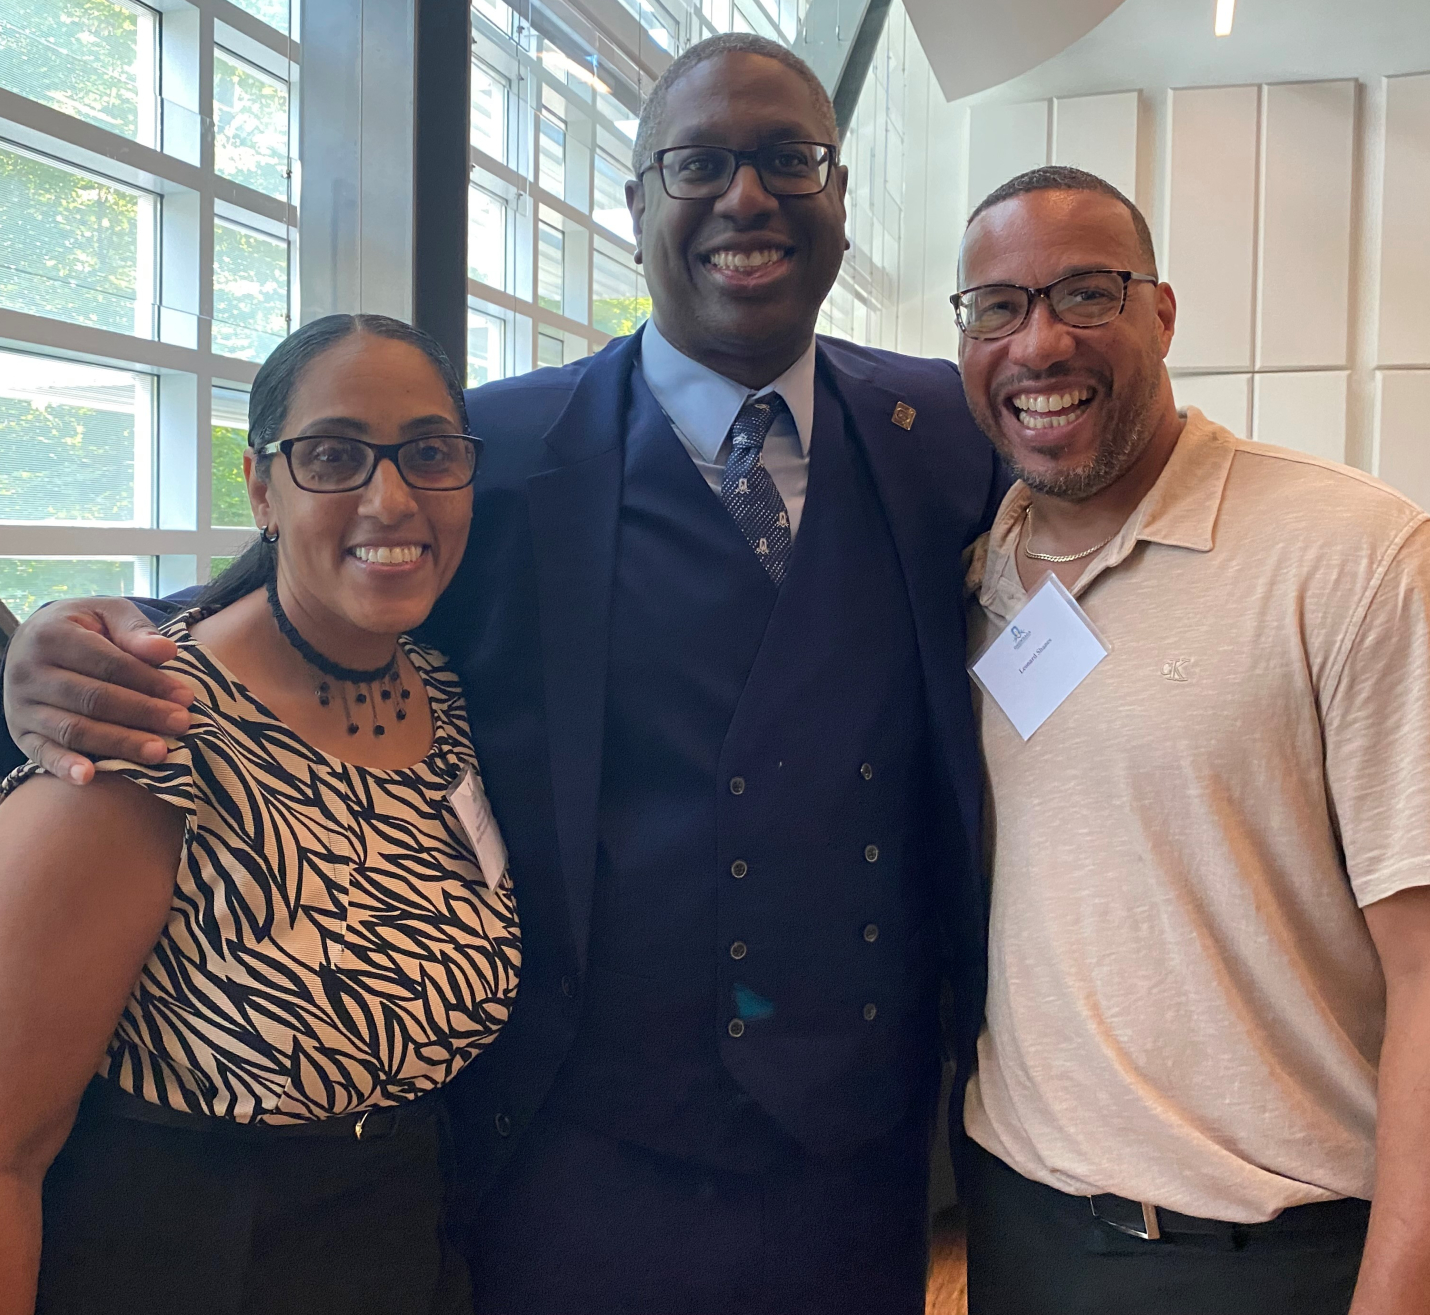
(387, 679)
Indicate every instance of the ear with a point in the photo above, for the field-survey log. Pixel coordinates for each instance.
(635, 203)
(258, 491)
(1166, 317)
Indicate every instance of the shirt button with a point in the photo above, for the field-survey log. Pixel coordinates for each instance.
(568, 987)
(736, 1027)
(871, 853)
(737, 785)
(738, 868)
(503, 1126)
(867, 772)
(870, 1012)
(739, 950)
(871, 933)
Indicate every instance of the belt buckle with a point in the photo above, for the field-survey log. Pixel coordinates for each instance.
(362, 1132)
(1151, 1229)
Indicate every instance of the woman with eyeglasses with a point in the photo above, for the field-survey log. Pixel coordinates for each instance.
(234, 982)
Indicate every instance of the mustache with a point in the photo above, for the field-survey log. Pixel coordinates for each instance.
(1033, 378)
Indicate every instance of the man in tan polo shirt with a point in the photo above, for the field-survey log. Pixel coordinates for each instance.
(1208, 1033)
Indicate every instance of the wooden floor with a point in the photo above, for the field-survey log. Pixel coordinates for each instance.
(948, 1292)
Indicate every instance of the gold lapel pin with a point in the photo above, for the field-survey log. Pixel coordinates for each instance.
(904, 416)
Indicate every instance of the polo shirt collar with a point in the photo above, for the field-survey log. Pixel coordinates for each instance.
(702, 405)
(1179, 511)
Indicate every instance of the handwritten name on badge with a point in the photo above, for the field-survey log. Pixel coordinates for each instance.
(469, 802)
(1031, 666)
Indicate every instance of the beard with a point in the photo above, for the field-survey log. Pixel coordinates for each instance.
(1131, 421)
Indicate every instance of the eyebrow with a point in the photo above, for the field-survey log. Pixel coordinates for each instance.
(330, 424)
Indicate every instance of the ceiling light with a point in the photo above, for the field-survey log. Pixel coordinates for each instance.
(1225, 12)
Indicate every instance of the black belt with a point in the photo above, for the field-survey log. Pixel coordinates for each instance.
(1151, 1223)
(374, 1124)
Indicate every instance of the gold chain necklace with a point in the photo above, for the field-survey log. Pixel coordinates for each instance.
(1058, 558)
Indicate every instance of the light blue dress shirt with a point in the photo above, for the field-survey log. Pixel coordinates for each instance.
(702, 405)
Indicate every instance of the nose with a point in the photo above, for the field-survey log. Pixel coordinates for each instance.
(746, 199)
(387, 497)
(1043, 341)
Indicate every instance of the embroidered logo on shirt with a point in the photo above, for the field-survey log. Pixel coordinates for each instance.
(1177, 669)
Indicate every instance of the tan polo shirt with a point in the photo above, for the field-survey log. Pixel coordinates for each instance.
(1185, 1006)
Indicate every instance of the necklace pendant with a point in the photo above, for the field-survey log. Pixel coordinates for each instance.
(352, 728)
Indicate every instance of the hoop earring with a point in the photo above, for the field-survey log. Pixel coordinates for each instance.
(266, 537)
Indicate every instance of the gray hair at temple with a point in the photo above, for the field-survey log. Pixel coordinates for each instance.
(727, 43)
(1064, 178)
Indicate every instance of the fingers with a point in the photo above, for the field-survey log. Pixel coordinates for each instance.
(63, 741)
(55, 760)
(78, 649)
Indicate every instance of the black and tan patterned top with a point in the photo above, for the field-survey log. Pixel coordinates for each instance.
(332, 945)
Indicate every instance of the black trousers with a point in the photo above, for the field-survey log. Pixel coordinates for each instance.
(1036, 1251)
(142, 1219)
(584, 1224)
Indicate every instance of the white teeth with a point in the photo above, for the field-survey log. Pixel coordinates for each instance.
(745, 259)
(389, 556)
(1044, 410)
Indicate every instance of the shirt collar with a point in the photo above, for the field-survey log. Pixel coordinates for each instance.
(1179, 510)
(702, 405)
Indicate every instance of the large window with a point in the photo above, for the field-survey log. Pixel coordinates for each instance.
(146, 269)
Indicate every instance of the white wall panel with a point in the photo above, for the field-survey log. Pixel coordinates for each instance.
(1211, 225)
(1302, 409)
(1003, 141)
(1225, 398)
(1099, 134)
(1402, 440)
(1307, 169)
(1405, 232)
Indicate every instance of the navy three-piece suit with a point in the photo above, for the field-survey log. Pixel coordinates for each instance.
(744, 830)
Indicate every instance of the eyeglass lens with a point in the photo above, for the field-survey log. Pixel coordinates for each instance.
(329, 464)
(785, 168)
(1082, 300)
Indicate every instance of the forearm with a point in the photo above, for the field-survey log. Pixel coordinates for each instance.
(1395, 1273)
(20, 1194)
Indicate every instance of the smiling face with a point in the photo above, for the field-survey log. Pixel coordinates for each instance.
(1069, 409)
(737, 282)
(373, 560)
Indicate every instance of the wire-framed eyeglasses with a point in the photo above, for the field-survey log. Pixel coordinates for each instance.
(1083, 301)
(702, 173)
(334, 463)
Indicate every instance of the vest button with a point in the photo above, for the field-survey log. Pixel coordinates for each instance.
(736, 1027)
(503, 1125)
(870, 1013)
(739, 868)
(871, 933)
(737, 785)
(568, 987)
(739, 950)
(867, 772)
(871, 853)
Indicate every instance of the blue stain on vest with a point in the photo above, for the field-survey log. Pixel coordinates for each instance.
(760, 842)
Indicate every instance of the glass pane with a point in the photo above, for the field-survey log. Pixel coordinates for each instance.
(75, 247)
(229, 427)
(495, 12)
(276, 13)
(485, 343)
(550, 349)
(250, 126)
(76, 442)
(29, 582)
(250, 292)
(218, 565)
(618, 301)
(489, 103)
(486, 238)
(553, 155)
(94, 59)
(551, 271)
(610, 208)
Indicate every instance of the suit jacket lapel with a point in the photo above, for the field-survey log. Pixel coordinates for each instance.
(575, 512)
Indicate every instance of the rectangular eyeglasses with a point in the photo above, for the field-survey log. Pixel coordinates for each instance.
(333, 463)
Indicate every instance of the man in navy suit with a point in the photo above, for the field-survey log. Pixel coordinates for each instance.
(710, 627)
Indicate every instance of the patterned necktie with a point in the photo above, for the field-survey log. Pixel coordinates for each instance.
(749, 493)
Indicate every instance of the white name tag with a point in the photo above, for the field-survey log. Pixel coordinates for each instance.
(1040, 657)
(469, 802)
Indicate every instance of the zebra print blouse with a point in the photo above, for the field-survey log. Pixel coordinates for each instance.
(332, 945)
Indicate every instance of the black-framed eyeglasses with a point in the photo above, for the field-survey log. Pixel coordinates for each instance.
(702, 173)
(334, 463)
(1083, 301)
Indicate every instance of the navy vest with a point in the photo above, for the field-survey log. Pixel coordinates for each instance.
(760, 966)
